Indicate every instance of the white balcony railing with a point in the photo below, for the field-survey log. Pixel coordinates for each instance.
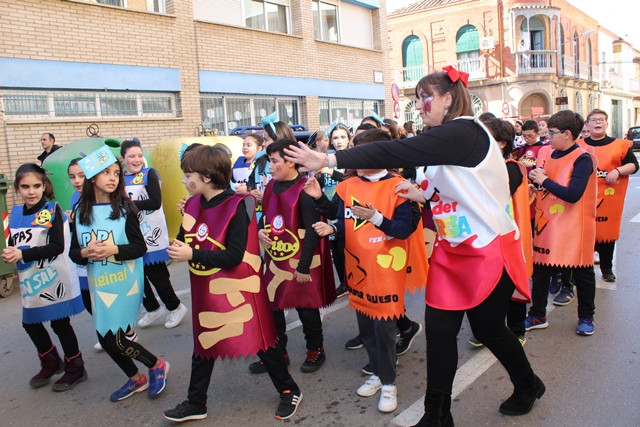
(536, 62)
(476, 67)
(408, 77)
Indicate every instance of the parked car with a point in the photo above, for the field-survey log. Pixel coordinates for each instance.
(633, 134)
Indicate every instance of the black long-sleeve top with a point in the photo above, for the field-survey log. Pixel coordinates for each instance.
(582, 168)
(309, 217)
(55, 245)
(237, 235)
(132, 250)
(154, 202)
(628, 158)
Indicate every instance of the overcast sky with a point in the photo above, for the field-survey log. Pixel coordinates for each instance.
(619, 16)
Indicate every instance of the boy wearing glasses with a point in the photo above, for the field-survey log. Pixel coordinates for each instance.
(616, 162)
(564, 230)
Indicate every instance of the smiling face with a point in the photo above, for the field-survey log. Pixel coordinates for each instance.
(249, 148)
(432, 108)
(76, 176)
(340, 138)
(106, 182)
(31, 189)
(133, 160)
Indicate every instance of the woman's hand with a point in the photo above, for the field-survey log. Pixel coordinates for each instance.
(364, 212)
(312, 188)
(322, 229)
(308, 159)
(407, 190)
(11, 255)
(301, 277)
(180, 251)
(265, 240)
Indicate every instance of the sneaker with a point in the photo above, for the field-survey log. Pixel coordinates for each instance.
(388, 399)
(564, 297)
(288, 406)
(406, 338)
(522, 339)
(129, 388)
(608, 276)
(535, 322)
(175, 316)
(585, 326)
(370, 387)
(259, 368)
(341, 290)
(133, 337)
(475, 342)
(97, 347)
(556, 284)
(186, 411)
(596, 257)
(315, 359)
(158, 379)
(354, 343)
(150, 317)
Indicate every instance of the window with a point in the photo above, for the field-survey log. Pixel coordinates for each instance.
(579, 105)
(325, 21)
(476, 105)
(266, 15)
(468, 50)
(51, 104)
(347, 111)
(412, 59)
(413, 115)
(146, 5)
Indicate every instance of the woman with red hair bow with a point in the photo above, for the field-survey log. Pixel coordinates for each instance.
(477, 261)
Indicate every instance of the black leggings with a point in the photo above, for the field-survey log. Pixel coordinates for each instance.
(158, 276)
(311, 327)
(487, 324)
(122, 351)
(62, 328)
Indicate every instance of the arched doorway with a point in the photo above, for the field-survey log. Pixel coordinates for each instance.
(534, 106)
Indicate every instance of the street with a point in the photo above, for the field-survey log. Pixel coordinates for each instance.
(591, 381)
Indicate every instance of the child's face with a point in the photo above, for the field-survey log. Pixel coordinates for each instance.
(106, 183)
(31, 189)
(133, 160)
(340, 138)
(249, 148)
(195, 183)
(76, 176)
(281, 170)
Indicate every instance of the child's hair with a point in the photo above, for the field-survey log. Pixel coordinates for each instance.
(597, 111)
(259, 139)
(279, 146)
(338, 126)
(124, 147)
(408, 126)
(283, 131)
(485, 117)
(567, 120)
(371, 135)
(32, 168)
(502, 131)
(211, 162)
(530, 125)
(365, 126)
(393, 127)
(73, 162)
(121, 204)
(377, 124)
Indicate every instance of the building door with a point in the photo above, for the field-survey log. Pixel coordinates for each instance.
(533, 106)
(616, 119)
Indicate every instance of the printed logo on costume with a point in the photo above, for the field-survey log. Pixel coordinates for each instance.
(138, 179)
(202, 233)
(284, 243)
(206, 243)
(43, 218)
(348, 214)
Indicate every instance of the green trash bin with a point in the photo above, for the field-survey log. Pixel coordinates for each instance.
(6, 270)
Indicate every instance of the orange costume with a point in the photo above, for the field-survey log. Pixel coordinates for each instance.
(522, 215)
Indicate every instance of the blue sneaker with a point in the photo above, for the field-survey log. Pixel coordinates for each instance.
(556, 284)
(535, 322)
(158, 379)
(585, 326)
(564, 297)
(129, 389)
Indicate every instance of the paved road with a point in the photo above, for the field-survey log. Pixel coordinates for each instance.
(591, 381)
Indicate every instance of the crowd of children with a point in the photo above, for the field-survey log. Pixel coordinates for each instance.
(255, 236)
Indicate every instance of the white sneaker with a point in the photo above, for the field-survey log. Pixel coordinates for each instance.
(175, 317)
(97, 347)
(132, 338)
(150, 317)
(388, 399)
(596, 258)
(370, 387)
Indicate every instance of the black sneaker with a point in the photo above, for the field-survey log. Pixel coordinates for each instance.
(406, 338)
(315, 359)
(354, 343)
(366, 369)
(186, 411)
(259, 368)
(341, 290)
(608, 276)
(288, 406)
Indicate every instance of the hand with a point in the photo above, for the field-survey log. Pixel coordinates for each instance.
(322, 229)
(181, 204)
(312, 188)
(99, 250)
(301, 277)
(180, 251)
(308, 159)
(326, 171)
(263, 236)
(612, 177)
(241, 188)
(537, 176)
(364, 212)
(257, 194)
(11, 255)
(407, 190)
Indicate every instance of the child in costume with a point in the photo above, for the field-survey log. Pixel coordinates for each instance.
(244, 165)
(109, 241)
(384, 257)
(142, 184)
(38, 244)
(298, 265)
(565, 227)
(231, 313)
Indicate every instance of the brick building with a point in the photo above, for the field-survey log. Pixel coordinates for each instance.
(526, 59)
(167, 68)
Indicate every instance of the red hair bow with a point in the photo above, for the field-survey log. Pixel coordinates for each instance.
(456, 75)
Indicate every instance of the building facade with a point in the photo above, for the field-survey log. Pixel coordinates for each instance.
(168, 68)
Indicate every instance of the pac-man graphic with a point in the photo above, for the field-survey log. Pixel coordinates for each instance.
(556, 209)
(609, 191)
(396, 259)
(138, 179)
(43, 218)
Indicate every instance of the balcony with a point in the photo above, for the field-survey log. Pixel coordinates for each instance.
(536, 62)
(408, 77)
(569, 67)
(476, 67)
